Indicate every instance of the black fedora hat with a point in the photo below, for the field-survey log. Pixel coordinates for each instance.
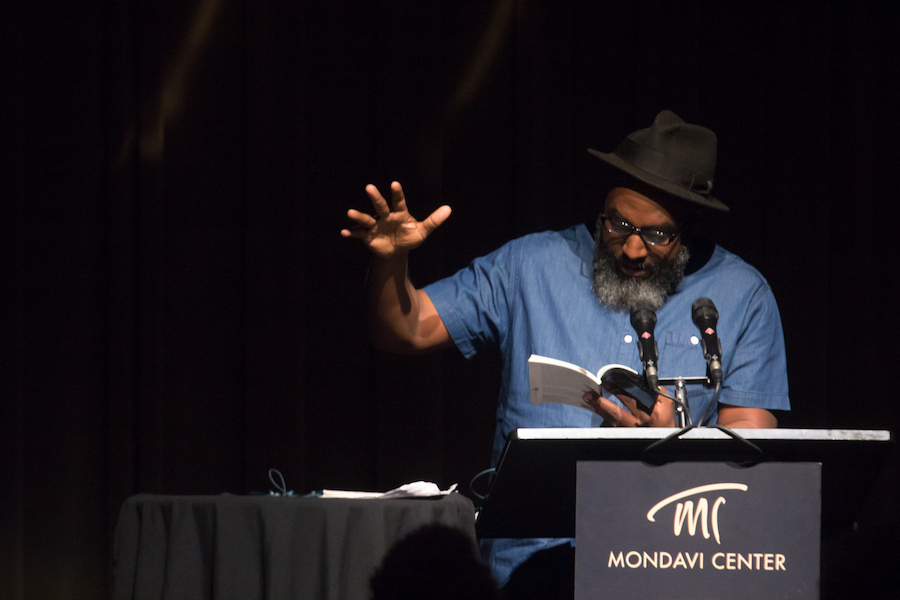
(672, 156)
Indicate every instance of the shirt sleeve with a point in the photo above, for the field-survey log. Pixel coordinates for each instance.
(475, 303)
(757, 373)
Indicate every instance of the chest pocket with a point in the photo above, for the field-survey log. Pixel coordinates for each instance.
(680, 357)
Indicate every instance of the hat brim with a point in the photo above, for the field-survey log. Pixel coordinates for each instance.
(658, 182)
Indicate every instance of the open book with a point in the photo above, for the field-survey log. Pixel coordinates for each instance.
(562, 382)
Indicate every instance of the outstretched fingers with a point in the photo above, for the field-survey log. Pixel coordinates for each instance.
(398, 198)
(393, 223)
(363, 223)
(361, 218)
(381, 206)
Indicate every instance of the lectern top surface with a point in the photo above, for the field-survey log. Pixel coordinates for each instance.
(699, 433)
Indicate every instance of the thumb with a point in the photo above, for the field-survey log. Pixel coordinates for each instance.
(435, 219)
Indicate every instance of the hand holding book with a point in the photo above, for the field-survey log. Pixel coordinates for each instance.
(634, 414)
(561, 382)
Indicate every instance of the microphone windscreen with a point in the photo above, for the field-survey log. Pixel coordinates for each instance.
(703, 312)
(643, 319)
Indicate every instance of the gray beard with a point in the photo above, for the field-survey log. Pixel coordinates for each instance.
(622, 293)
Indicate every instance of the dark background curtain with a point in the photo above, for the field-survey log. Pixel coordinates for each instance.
(180, 313)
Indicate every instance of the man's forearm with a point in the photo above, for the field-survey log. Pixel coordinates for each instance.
(739, 417)
(402, 319)
(390, 297)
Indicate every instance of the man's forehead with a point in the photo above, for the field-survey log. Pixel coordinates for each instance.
(676, 208)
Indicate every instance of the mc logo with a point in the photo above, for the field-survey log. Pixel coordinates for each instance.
(685, 512)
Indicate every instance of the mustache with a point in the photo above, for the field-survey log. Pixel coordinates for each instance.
(647, 263)
(618, 291)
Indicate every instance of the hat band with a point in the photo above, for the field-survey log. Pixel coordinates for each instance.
(648, 159)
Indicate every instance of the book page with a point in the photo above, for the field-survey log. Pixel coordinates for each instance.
(559, 382)
(610, 367)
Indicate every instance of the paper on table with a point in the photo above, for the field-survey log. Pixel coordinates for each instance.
(416, 489)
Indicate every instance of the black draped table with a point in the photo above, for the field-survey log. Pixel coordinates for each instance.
(272, 547)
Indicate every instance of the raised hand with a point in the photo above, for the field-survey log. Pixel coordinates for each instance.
(392, 230)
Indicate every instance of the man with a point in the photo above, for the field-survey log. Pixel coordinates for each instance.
(568, 295)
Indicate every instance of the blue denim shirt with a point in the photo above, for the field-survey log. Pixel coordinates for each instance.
(533, 296)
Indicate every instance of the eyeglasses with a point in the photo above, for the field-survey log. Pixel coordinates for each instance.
(618, 226)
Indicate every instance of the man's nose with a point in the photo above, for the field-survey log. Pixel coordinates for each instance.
(634, 247)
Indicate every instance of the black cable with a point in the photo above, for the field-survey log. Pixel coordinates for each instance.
(472, 483)
(683, 405)
(282, 487)
(713, 404)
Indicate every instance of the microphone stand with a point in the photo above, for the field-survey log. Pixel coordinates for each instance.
(682, 410)
(705, 317)
(686, 425)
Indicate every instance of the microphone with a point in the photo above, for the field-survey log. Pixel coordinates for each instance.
(644, 321)
(705, 317)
